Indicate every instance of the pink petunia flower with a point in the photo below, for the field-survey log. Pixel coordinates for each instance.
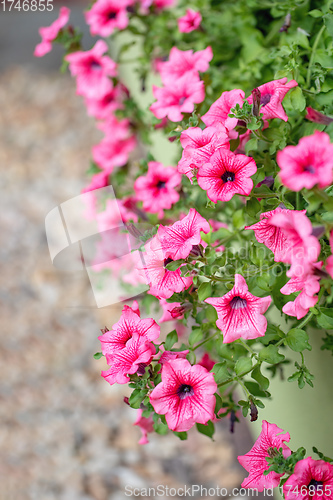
(308, 285)
(178, 98)
(129, 325)
(240, 314)
(199, 145)
(220, 109)
(114, 149)
(51, 32)
(107, 15)
(156, 189)
(272, 95)
(311, 479)
(103, 108)
(97, 181)
(307, 164)
(177, 240)
(207, 362)
(92, 71)
(226, 174)
(138, 352)
(302, 248)
(185, 396)
(182, 62)
(145, 424)
(190, 22)
(171, 355)
(317, 117)
(163, 283)
(163, 4)
(272, 236)
(255, 460)
(329, 260)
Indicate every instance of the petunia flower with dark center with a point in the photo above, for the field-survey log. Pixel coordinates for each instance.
(185, 391)
(185, 396)
(314, 478)
(240, 314)
(226, 174)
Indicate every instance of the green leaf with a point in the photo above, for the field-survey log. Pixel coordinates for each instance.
(325, 318)
(220, 371)
(328, 21)
(243, 365)
(170, 340)
(182, 435)
(207, 430)
(161, 428)
(204, 290)
(297, 99)
(218, 404)
(271, 355)
(211, 314)
(174, 265)
(238, 219)
(136, 398)
(251, 145)
(298, 340)
(195, 336)
(260, 378)
(98, 355)
(315, 13)
(254, 389)
(253, 207)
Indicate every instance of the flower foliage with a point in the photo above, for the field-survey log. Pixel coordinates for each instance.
(239, 226)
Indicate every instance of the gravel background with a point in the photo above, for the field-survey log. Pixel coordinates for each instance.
(65, 433)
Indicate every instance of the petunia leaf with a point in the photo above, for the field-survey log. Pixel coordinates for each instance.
(195, 336)
(260, 378)
(98, 355)
(243, 365)
(298, 340)
(207, 429)
(170, 340)
(221, 373)
(325, 318)
(297, 99)
(271, 355)
(182, 435)
(204, 290)
(174, 265)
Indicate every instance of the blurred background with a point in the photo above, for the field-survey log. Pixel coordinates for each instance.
(66, 434)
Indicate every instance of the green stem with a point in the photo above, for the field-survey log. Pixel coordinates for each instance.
(215, 278)
(247, 347)
(261, 136)
(248, 395)
(298, 200)
(241, 375)
(313, 52)
(204, 341)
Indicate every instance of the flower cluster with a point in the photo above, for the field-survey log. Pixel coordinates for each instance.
(236, 231)
(307, 478)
